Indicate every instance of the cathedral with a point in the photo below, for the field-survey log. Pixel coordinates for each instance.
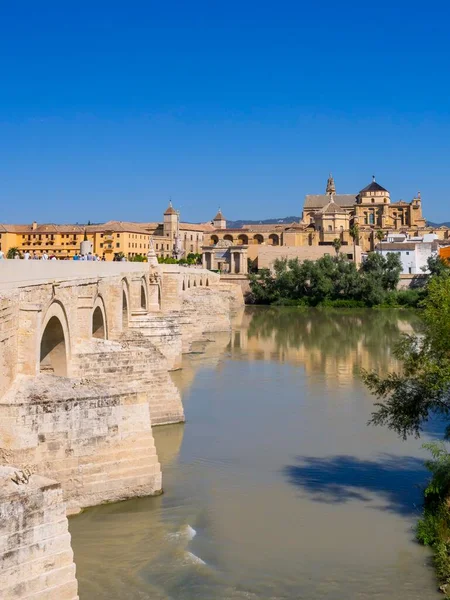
(370, 207)
(358, 220)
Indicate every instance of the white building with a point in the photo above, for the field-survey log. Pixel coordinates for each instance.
(413, 252)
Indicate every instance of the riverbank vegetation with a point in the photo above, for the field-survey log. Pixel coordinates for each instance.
(407, 401)
(191, 259)
(333, 281)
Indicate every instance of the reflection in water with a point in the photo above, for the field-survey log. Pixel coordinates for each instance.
(279, 489)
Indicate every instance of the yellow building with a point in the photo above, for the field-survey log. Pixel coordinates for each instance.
(109, 240)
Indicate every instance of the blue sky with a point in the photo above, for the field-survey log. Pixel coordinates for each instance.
(107, 109)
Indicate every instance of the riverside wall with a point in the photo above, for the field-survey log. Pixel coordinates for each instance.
(86, 352)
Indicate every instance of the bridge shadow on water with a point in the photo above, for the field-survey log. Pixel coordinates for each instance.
(390, 482)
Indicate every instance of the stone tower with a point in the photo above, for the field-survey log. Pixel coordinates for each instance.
(331, 188)
(219, 221)
(170, 223)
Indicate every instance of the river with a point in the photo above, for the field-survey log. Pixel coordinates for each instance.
(275, 488)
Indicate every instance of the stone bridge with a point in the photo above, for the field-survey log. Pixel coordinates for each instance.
(86, 350)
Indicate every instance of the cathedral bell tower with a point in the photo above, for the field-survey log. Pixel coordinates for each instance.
(219, 221)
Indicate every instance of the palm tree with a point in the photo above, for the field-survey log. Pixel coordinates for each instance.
(337, 243)
(12, 252)
(354, 233)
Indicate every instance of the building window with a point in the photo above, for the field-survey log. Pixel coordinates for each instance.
(157, 246)
(330, 228)
(407, 254)
(101, 245)
(117, 245)
(371, 219)
(118, 235)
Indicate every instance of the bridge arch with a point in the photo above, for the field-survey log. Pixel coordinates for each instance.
(99, 324)
(55, 341)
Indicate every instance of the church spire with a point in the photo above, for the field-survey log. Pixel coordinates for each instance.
(331, 188)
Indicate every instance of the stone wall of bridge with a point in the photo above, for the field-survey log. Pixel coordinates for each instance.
(36, 559)
(86, 351)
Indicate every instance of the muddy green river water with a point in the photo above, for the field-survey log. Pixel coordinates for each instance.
(275, 488)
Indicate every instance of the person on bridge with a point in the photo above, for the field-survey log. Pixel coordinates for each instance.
(44, 256)
(2, 255)
(27, 255)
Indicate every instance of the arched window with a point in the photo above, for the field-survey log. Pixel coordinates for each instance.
(371, 219)
(274, 239)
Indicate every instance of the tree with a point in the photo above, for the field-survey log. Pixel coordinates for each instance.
(380, 235)
(12, 252)
(326, 279)
(138, 258)
(337, 244)
(407, 399)
(354, 233)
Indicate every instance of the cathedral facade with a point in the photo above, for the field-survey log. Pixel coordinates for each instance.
(359, 219)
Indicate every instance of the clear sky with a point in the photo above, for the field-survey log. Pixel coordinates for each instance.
(107, 109)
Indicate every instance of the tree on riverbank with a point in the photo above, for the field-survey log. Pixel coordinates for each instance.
(329, 280)
(422, 390)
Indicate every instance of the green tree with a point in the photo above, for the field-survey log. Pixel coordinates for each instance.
(138, 258)
(354, 233)
(380, 235)
(337, 244)
(12, 252)
(407, 399)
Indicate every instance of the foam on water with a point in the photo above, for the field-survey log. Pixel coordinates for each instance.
(186, 533)
(194, 559)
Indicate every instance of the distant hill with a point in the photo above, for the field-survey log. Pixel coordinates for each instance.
(431, 224)
(241, 222)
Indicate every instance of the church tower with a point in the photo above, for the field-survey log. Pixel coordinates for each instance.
(170, 226)
(331, 188)
(219, 221)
